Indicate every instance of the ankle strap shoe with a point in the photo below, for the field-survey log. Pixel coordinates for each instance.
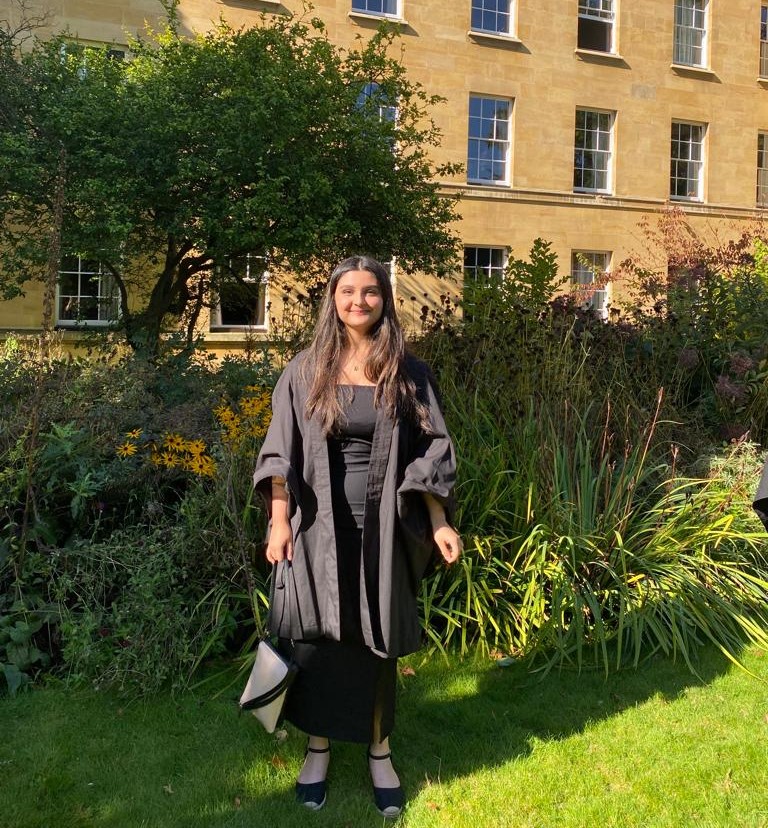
(389, 801)
(312, 795)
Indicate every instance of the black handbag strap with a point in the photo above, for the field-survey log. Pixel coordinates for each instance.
(271, 695)
(273, 575)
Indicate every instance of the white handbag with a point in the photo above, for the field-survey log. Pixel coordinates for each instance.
(267, 687)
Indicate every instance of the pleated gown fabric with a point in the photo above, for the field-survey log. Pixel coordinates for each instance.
(343, 690)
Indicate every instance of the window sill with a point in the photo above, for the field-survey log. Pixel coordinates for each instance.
(377, 17)
(231, 332)
(762, 80)
(696, 70)
(686, 199)
(598, 193)
(595, 53)
(492, 185)
(84, 327)
(495, 37)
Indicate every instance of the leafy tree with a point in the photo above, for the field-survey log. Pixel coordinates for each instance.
(198, 150)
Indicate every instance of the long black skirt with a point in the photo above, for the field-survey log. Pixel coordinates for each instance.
(342, 691)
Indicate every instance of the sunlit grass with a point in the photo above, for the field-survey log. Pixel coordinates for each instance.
(476, 746)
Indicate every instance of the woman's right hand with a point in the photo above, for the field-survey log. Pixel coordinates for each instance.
(280, 543)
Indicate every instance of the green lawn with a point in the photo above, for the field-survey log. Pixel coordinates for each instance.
(476, 746)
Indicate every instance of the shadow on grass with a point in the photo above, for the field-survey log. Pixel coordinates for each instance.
(449, 728)
(73, 759)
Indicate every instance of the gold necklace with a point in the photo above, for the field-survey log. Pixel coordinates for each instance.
(354, 362)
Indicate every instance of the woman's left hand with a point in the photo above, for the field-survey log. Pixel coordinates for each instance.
(448, 542)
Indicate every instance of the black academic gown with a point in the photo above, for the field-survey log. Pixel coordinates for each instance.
(761, 497)
(397, 539)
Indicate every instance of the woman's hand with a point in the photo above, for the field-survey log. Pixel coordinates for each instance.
(444, 535)
(448, 542)
(280, 544)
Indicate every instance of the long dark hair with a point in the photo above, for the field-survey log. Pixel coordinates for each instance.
(385, 366)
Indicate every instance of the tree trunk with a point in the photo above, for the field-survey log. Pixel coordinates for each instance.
(147, 326)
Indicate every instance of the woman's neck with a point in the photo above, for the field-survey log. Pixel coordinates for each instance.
(353, 360)
(357, 342)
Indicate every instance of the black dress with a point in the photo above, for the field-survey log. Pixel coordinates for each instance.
(343, 690)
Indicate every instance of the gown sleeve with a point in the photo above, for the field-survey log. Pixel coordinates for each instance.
(761, 497)
(279, 455)
(430, 468)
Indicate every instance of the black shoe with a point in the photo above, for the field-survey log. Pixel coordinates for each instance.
(389, 801)
(312, 795)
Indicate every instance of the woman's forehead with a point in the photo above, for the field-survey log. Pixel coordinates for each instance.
(357, 278)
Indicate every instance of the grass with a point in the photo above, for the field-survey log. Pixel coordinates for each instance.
(476, 746)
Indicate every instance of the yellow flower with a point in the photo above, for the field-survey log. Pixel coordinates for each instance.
(203, 465)
(174, 442)
(135, 434)
(209, 467)
(223, 413)
(168, 459)
(253, 406)
(234, 424)
(196, 447)
(126, 450)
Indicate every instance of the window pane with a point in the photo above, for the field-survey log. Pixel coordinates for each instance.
(484, 264)
(589, 279)
(690, 32)
(595, 35)
(85, 293)
(592, 150)
(764, 41)
(686, 162)
(597, 8)
(388, 7)
(70, 264)
(242, 305)
(491, 16)
(488, 144)
(373, 97)
(242, 293)
(762, 170)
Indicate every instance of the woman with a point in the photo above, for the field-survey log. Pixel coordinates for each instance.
(357, 470)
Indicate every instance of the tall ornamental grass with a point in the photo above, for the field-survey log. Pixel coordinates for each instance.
(595, 535)
(585, 551)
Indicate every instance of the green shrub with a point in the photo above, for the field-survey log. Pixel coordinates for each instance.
(585, 549)
(92, 541)
(141, 610)
(594, 534)
(24, 625)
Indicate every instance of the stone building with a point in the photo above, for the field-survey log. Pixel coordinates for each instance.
(574, 120)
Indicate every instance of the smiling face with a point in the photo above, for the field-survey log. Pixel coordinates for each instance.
(359, 301)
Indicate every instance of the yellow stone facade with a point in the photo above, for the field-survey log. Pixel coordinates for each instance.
(540, 69)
